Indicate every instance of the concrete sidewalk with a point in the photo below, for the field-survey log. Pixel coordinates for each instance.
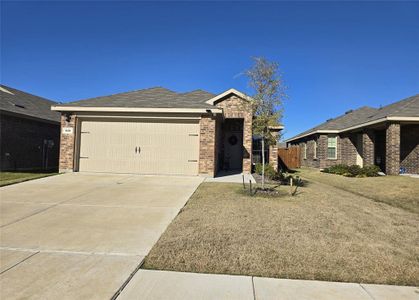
(231, 178)
(150, 284)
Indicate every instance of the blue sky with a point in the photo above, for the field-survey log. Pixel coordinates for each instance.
(334, 56)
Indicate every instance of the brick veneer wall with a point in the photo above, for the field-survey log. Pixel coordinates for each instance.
(311, 161)
(402, 149)
(368, 140)
(321, 161)
(393, 149)
(346, 151)
(67, 145)
(22, 143)
(238, 108)
(409, 148)
(207, 145)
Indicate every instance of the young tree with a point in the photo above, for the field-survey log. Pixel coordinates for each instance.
(269, 94)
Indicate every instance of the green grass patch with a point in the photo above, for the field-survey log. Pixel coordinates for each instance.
(7, 178)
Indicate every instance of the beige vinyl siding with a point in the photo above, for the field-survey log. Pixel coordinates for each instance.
(140, 146)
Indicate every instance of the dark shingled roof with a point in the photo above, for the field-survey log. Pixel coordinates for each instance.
(405, 108)
(18, 102)
(156, 97)
(408, 107)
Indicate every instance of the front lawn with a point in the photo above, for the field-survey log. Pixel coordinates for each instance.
(322, 233)
(7, 178)
(398, 191)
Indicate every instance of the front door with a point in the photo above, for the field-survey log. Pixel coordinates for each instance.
(233, 144)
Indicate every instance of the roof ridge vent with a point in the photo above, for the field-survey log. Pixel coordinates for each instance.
(5, 90)
(348, 111)
(328, 120)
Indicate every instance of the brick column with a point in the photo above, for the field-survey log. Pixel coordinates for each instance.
(368, 140)
(247, 143)
(67, 140)
(207, 155)
(393, 149)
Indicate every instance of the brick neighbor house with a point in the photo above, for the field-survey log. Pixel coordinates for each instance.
(158, 131)
(29, 132)
(387, 137)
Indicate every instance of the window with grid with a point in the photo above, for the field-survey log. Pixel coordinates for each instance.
(331, 147)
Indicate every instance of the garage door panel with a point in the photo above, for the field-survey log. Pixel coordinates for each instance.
(107, 147)
(164, 147)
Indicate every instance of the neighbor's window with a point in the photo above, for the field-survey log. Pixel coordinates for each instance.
(315, 149)
(331, 147)
(305, 150)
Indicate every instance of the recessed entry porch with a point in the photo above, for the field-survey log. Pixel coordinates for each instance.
(230, 148)
(391, 146)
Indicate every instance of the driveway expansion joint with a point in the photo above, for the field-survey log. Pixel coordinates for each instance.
(72, 252)
(253, 287)
(46, 208)
(368, 293)
(119, 291)
(18, 263)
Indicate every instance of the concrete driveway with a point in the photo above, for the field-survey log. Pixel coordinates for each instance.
(82, 235)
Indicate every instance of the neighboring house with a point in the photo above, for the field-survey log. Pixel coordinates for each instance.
(387, 137)
(29, 132)
(158, 131)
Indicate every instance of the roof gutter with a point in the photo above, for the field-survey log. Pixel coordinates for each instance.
(400, 119)
(311, 133)
(135, 109)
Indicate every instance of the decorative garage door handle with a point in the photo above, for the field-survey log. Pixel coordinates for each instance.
(139, 149)
(135, 149)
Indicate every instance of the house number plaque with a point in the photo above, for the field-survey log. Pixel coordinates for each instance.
(67, 130)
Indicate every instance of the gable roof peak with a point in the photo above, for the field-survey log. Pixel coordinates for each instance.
(213, 100)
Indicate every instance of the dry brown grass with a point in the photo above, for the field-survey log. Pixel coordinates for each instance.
(323, 233)
(398, 191)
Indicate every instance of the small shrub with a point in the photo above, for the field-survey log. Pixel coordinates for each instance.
(269, 170)
(279, 176)
(353, 170)
(337, 169)
(370, 171)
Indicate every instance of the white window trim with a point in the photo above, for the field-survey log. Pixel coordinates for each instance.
(336, 147)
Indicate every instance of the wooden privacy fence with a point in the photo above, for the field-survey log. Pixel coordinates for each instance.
(289, 157)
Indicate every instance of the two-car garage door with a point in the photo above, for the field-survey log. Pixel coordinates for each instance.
(144, 146)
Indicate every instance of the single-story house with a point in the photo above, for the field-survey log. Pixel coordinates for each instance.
(387, 137)
(158, 131)
(29, 132)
